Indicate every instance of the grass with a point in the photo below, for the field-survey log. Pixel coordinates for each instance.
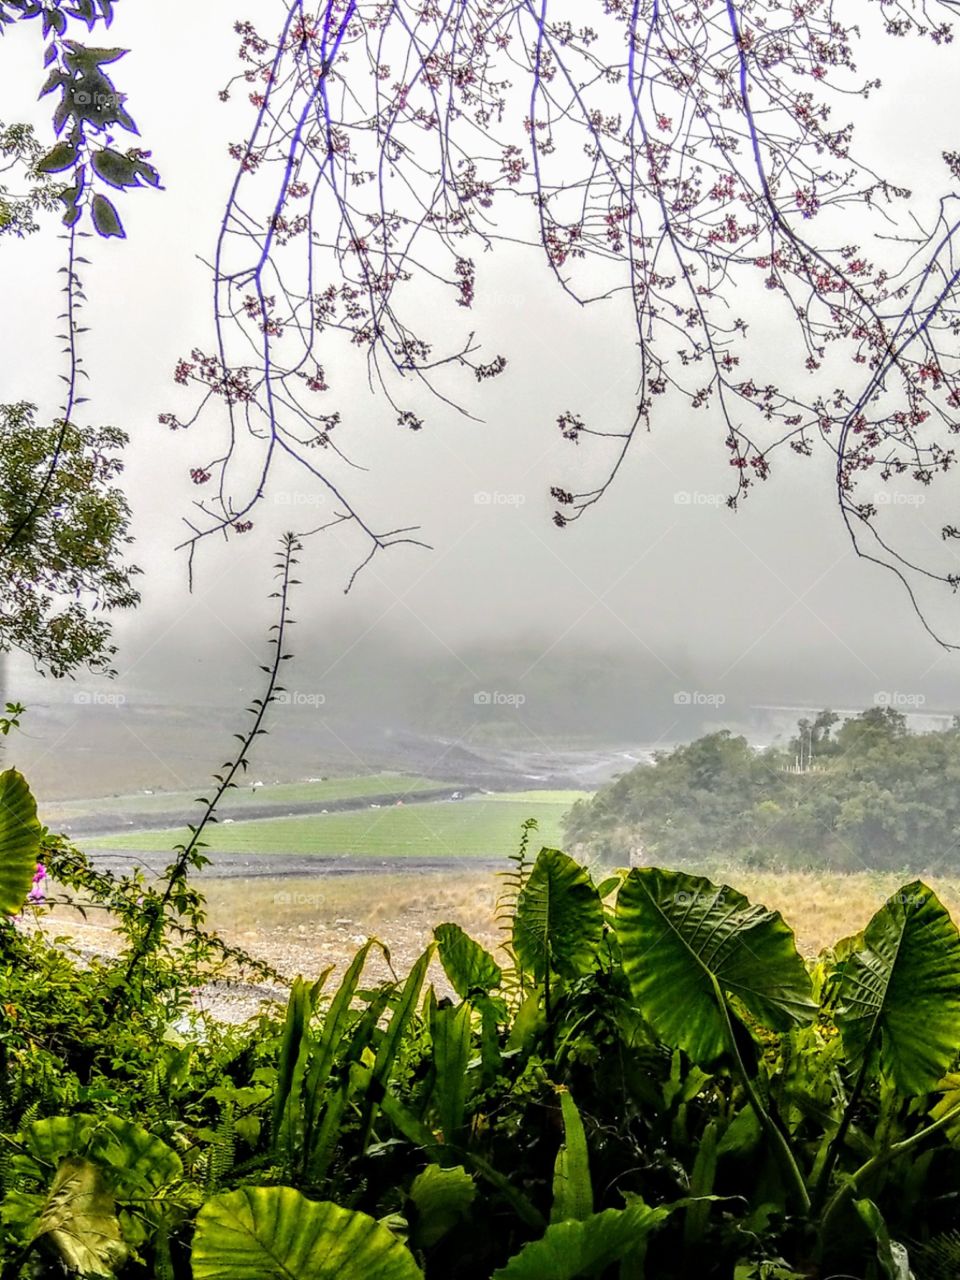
(487, 827)
(305, 924)
(821, 908)
(249, 797)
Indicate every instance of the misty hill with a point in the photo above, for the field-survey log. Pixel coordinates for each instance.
(866, 793)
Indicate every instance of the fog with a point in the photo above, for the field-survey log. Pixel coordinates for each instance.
(660, 591)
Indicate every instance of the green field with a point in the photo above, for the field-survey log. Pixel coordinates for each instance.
(486, 827)
(246, 796)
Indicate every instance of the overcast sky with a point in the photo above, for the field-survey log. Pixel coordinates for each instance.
(773, 589)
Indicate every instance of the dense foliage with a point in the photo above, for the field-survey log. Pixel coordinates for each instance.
(65, 574)
(865, 794)
(649, 1081)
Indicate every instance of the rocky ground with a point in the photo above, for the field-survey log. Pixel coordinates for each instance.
(303, 925)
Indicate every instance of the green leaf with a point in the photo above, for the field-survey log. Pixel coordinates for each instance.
(147, 172)
(898, 1007)
(392, 1038)
(771, 1269)
(115, 168)
(106, 219)
(19, 840)
(291, 1062)
(702, 1178)
(450, 1036)
(572, 1188)
(683, 938)
(571, 1249)
(891, 1255)
(442, 1197)
(742, 1134)
(83, 57)
(558, 924)
(139, 1162)
(54, 80)
(275, 1233)
(47, 1141)
(80, 1218)
(468, 966)
(337, 1021)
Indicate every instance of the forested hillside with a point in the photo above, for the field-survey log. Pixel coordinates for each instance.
(866, 792)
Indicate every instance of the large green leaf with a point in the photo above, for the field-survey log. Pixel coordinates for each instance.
(275, 1233)
(558, 923)
(19, 840)
(467, 965)
(898, 1007)
(80, 1218)
(139, 1163)
(683, 939)
(115, 168)
(571, 1249)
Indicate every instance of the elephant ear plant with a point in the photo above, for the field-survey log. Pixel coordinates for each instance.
(715, 975)
(694, 954)
(647, 1080)
(20, 833)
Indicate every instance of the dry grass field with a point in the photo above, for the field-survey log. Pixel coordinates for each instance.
(305, 925)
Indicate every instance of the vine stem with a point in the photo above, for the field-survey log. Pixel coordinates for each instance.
(178, 870)
(72, 378)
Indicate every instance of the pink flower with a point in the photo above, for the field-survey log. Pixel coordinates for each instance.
(37, 894)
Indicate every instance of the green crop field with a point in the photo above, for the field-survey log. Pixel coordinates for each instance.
(489, 826)
(246, 796)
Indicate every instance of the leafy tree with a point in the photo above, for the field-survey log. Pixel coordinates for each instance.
(66, 573)
(881, 797)
(63, 520)
(21, 151)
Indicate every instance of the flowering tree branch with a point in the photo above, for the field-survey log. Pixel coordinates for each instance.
(682, 157)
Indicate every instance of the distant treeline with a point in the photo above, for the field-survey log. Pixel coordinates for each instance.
(862, 793)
